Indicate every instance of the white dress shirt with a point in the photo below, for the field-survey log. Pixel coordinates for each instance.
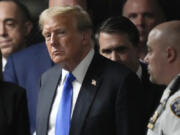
(139, 72)
(4, 62)
(79, 73)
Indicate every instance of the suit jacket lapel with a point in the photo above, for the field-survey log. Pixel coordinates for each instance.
(48, 93)
(53, 83)
(86, 96)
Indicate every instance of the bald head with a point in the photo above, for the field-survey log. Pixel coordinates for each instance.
(167, 34)
(82, 3)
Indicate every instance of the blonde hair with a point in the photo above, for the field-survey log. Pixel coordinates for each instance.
(83, 19)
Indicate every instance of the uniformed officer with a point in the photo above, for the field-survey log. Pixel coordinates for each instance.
(163, 59)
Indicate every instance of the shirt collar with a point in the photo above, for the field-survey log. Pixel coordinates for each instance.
(64, 73)
(80, 71)
(4, 61)
(139, 72)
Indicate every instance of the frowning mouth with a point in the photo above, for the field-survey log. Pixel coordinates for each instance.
(5, 43)
(58, 53)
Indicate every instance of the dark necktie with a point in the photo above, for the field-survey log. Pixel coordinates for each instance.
(63, 117)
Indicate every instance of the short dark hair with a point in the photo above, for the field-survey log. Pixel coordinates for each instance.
(23, 9)
(120, 25)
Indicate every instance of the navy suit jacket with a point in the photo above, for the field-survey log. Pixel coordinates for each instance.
(111, 107)
(25, 68)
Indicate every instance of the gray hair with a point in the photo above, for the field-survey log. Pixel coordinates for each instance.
(83, 19)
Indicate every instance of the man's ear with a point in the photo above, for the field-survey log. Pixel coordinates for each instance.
(171, 54)
(28, 27)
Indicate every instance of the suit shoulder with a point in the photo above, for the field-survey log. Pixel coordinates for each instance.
(112, 70)
(51, 71)
(12, 95)
(29, 51)
(116, 68)
(7, 88)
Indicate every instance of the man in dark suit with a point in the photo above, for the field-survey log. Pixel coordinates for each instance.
(16, 27)
(36, 61)
(105, 94)
(118, 40)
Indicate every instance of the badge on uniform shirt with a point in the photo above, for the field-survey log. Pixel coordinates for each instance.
(175, 107)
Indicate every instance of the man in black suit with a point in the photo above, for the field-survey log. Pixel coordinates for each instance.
(105, 94)
(118, 40)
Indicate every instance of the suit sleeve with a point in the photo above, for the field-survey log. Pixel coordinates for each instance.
(9, 74)
(129, 107)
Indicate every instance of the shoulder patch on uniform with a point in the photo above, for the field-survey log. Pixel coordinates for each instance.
(175, 107)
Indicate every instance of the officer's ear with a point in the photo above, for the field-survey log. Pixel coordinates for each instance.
(171, 54)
